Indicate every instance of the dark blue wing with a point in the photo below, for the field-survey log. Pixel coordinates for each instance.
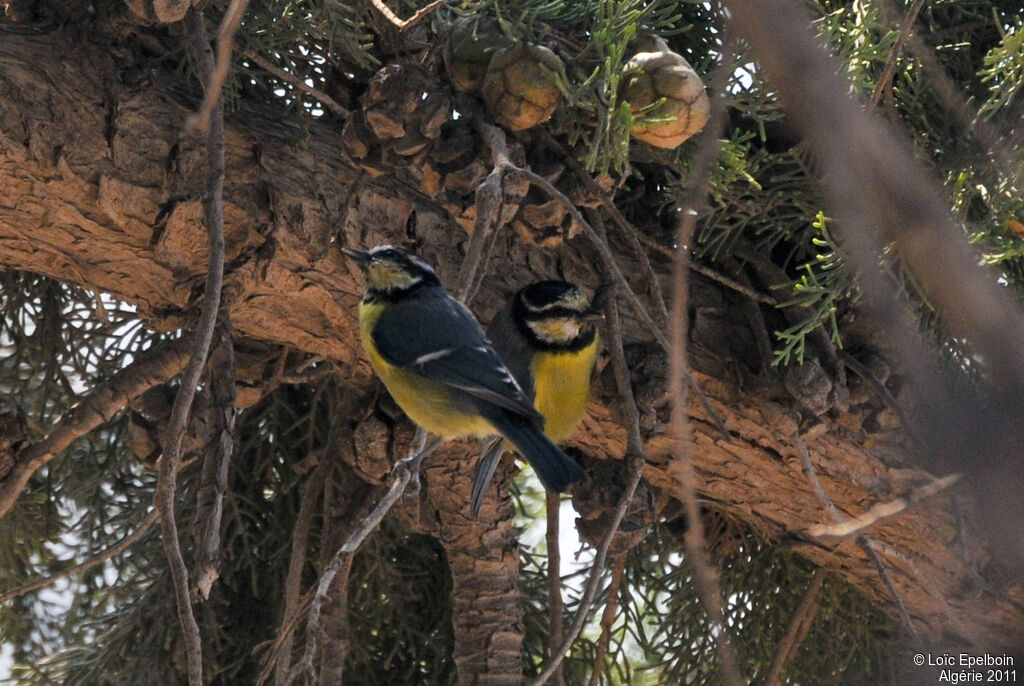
(436, 336)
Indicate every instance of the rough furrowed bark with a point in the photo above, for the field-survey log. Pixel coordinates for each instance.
(483, 555)
(100, 189)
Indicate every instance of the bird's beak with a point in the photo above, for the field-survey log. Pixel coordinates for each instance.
(593, 316)
(361, 257)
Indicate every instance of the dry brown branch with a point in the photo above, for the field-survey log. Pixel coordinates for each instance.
(885, 80)
(324, 99)
(404, 471)
(620, 220)
(99, 406)
(882, 511)
(214, 81)
(555, 620)
(293, 582)
(403, 24)
(705, 578)
(635, 465)
(110, 552)
(798, 627)
(708, 272)
(862, 540)
(166, 488)
(213, 483)
(608, 617)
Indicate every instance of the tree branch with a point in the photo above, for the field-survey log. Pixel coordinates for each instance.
(555, 606)
(882, 511)
(96, 408)
(324, 99)
(608, 617)
(705, 578)
(213, 81)
(800, 623)
(862, 540)
(404, 471)
(403, 24)
(885, 80)
(165, 496)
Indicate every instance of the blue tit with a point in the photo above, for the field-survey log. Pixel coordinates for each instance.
(434, 359)
(547, 336)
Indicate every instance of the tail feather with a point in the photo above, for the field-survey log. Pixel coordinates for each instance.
(556, 470)
(493, 449)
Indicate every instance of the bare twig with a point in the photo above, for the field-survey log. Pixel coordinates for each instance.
(608, 617)
(635, 466)
(620, 220)
(110, 552)
(213, 82)
(489, 201)
(300, 541)
(555, 620)
(798, 627)
(214, 481)
(403, 24)
(708, 271)
(862, 540)
(167, 483)
(324, 99)
(706, 580)
(98, 407)
(885, 80)
(883, 511)
(404, 471)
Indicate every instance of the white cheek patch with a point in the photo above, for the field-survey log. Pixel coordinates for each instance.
(560, 330)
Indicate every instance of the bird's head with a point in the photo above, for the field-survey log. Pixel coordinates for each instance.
(555, 315)
(391, 271)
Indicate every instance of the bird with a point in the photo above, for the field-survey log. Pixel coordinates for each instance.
(436, 362)
(547, 335)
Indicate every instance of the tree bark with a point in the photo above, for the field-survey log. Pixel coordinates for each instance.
(101, 190)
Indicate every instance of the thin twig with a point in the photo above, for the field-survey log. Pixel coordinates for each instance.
(99, 406)
(620, 219)
(708, 271)
(300, 542)
(213, 484)
(403, 24)
(862, 540)
(286, 76)
(885, 81)
(213, 81)
(882, 511)
(110, 552)
(404, 471)
(608, 617)
(708, 588)
(555, 620)
(635, 469)
(800, 623)
(165, 496)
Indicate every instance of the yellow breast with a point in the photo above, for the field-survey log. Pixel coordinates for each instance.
(429, 403)
(562, 384)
